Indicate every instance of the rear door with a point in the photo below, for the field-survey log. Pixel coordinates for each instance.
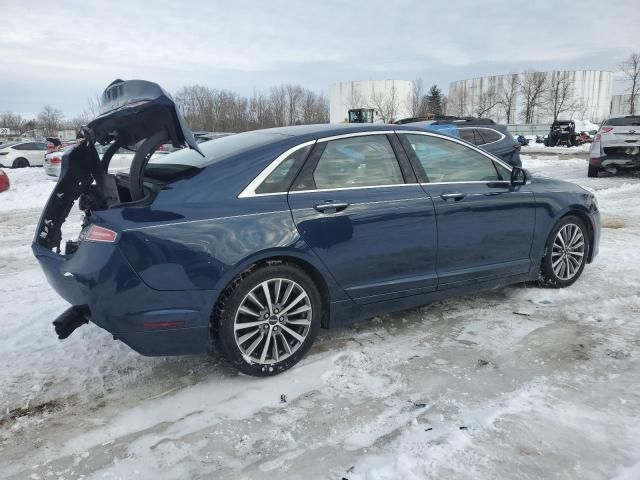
(358, 205)
(485, 226)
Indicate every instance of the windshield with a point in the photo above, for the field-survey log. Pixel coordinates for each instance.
(183, 160)
(630, 121)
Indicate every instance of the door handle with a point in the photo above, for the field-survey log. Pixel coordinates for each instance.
(453, 196)
(330, 206)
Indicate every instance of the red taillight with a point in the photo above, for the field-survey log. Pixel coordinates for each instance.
(606, 129)
(56, 160)
(100, 234)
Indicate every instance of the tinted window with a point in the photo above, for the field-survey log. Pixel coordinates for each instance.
(467, 134)
(280, 179)
(503, 171)
(40, 146)
(24, 146)
(357, 162)
(449, 161)
(630, 121)
(488, 135)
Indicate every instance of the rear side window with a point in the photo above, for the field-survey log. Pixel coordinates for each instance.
(280, 179)
(357, 162)
(468, 135)
(629, 121)
(25, 146)
(449, 161)
(488, 135)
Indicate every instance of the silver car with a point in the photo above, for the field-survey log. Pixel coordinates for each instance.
(616, 145)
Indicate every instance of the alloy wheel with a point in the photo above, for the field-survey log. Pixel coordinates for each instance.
(272, 321)
(568, 251)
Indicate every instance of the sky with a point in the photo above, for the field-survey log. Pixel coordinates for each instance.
(65, 52)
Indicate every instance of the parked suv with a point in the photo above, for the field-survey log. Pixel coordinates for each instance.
(482, 132)
(616, 145)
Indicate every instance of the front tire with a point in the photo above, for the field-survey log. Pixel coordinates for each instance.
(566, 253)
(20, 163)
(267, 319)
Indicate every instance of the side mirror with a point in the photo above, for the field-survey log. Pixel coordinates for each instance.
(519, 176)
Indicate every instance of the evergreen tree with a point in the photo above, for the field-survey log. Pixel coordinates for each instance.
(434, 100)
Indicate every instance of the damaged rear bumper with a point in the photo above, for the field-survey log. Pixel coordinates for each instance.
(99, 280)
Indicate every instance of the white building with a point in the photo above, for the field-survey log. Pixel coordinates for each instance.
(621, 105)
(390, 99)
(589, 97)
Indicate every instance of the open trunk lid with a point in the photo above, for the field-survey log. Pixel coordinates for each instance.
(131, 112)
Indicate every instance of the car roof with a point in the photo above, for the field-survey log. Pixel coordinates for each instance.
(332, 129)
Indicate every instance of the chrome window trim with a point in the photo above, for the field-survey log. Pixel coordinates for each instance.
(502, 135)
(250, 190)
(355, 134)
(461, 142)
(354, 188)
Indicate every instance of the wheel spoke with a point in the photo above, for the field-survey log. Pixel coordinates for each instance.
(274, 347)
(278, 287)
(302, 321)
(248, 311)
(255, 300)
(295, 335)
(247, 336)
(295, 302)
(302, 309)
(254, 345)
(242, 326)
(265, 349)
(267, 294)
(286, 345)
(287, 293)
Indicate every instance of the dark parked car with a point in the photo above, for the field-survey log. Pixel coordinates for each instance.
(482, 132)
(250, 243)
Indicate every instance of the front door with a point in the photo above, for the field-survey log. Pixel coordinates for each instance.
(485, 225)
(354, 207)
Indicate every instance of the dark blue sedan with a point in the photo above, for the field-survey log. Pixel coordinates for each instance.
(252, 242)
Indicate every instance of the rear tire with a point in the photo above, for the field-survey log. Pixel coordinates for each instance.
(566, 253)
(20, 163)
(593, 171)
(284, 321)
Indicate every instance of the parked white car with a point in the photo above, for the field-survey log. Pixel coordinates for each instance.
(120, 162)
(22, 154)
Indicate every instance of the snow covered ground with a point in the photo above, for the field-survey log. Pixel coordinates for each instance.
(514, 383)
(537, 148)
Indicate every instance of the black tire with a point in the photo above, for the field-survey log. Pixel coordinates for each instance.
(20, 163)
(593, 171)
(549, 277)
(224, 318)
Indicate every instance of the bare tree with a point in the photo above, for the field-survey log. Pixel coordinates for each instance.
(487, 101)
(560, 95)
(416, 97)
(294, 95)
(386, 104)
(458, 100)
(50, 120)
(278, 101)
(533, 86)
(631, 69)
(507, 97)
(11, 120)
